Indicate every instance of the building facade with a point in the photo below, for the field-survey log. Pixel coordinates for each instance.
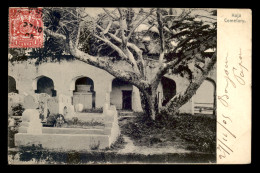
(80, 83)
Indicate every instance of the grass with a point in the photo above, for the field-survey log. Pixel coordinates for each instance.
(118, 144)
(81, 124)
(195, 133)
(93, 110)
(70, 123)
(37, 155)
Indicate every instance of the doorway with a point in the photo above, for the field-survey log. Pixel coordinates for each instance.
(121, 94)
(127, 99)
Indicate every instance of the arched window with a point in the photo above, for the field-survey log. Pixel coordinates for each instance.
(45, 85)
(205, 98)
(12, 85)
(84, 93)
(169, 89)
(84, 84)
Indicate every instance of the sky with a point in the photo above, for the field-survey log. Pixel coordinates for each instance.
(93, 12)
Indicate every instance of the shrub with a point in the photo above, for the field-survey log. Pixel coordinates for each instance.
(93, 110)
(55, 119)
(12, 130)
(41, 110)
(118, 144)
(17, 110)
(75, 122)
(198, 132)
(132, 127)
(155, 140)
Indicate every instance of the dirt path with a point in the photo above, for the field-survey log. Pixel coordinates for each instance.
(131, 148)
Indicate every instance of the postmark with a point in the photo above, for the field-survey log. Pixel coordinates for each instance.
(25, 28)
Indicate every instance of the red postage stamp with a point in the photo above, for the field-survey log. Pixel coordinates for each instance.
(25, 28)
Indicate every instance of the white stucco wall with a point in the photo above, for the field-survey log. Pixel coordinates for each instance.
(116, 95)
(65, 73)
(205, 93)
(181, 85)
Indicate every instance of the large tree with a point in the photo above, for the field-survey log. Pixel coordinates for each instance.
(178, 39)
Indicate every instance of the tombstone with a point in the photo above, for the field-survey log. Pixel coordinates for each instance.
(11, 122)
(31, 122)
(16, 98)
(53, 105)
(70, 112)
(10, 104)
(65, 111)
(45, 113)
(42, 98)
(35, 126)
(105, 108)
(79, 107)
(30, 103)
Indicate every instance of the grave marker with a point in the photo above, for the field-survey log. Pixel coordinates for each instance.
(30, 103)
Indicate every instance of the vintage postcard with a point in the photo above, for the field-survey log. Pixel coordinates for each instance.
(129, 85)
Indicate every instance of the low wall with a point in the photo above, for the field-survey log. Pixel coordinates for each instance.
(63, 141)
(72, 138)
(115, 130)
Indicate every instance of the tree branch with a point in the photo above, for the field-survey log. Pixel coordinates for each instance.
(162, 43)
(54, 34)
(122, 22)
(163, 70)
(110, 15)
(170, 31)
(119, 51)
(139, 23)
(108, 27)
(129, 45)
(175, 63)
(132, 78)
(101, 63)
(180, 99)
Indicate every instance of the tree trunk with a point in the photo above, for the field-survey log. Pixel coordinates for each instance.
(149, 102)
(179, 100)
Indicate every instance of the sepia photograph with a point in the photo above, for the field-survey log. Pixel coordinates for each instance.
(112, 85)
